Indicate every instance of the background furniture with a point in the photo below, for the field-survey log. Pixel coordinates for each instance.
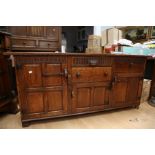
(56, 85)
(35, 38)
(7, 93)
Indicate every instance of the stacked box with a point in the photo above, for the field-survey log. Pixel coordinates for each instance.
(94, 41)
(109, 36)
(94, 50)
(145, 90)
(94, 44)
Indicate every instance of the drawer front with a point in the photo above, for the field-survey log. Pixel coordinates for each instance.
(23, 43)
(82, 74)
(93, 61)
(102, 73)
(126, 65)
(91, 74)
(48, 44)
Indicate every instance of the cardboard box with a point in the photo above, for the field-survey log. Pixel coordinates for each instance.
(114, 34)
(94, 41)
(94, 50)
(145, 90)
(104, 38)
(109, 36)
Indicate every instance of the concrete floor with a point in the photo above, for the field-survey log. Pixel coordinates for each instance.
(129, 118)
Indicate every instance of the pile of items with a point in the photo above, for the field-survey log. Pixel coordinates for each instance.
(106, 43)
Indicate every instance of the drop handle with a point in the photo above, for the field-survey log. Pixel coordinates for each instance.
(78, 74)
(131, 64)
(105, 74)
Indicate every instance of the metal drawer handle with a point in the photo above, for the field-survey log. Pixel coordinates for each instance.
(105, 74)
(78, 74)
(93, 62)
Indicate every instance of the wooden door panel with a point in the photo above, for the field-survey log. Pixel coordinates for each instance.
(32, 75)
(132, 89)
(52, 32)
(55, 100)
(36, 31)
(81, 98)
(119, 92)
(34, 103)
(99, 96)
(18, 30)
(52, 74)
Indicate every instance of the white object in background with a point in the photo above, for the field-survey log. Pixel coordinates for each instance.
(125, 42)
(63, 49)
(104, 40)
(114, 34)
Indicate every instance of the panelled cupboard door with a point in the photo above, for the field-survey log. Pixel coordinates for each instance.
(32, 75)
(126, 91)
(90, 97)
(119, 92)
(52, 32)
(43, 89)
(101, 96)
(81, 98)
(134, 89)
(55, 81)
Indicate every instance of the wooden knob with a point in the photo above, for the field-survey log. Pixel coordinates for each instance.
(24, 43)
(53, 30)
(105, 73)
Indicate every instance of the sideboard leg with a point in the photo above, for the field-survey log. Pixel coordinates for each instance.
(25, 124)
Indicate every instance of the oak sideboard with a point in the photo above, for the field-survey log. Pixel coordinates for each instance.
(56, 85)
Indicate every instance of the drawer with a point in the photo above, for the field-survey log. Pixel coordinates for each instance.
(91, 74)
(48, 44)
(92, 61)
(23, 43)
(129, 66)
(82, 74)
(102, 73)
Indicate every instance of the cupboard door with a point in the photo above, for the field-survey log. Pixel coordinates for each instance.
(36, 31)
(18, 30)
(34, 103)
(134, 90)
(101, 96)
(56, 101)
(52, 32)
(119, 92)
(54, 80)
(32, 75)
(54, 74)
(81, 97)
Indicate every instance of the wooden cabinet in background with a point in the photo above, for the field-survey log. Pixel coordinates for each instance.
(6, 90)
(56, 85)
(35, 38)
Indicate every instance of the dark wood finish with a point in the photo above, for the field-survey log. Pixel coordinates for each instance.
(57, 85)
(152, 89)
(35, 38)
(6, 96)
